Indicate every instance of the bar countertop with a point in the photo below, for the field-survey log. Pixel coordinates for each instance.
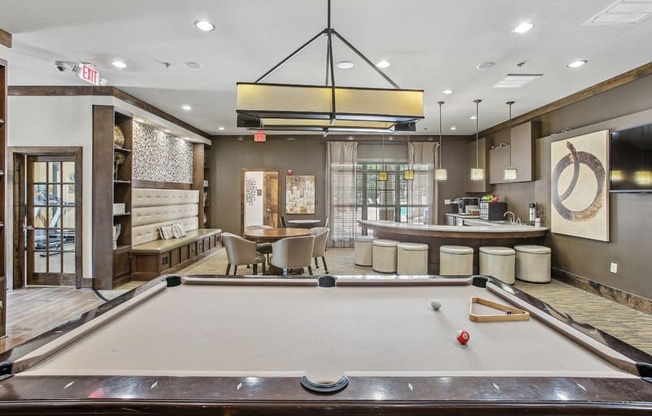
(490, 230)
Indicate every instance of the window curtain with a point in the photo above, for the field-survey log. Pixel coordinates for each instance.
(341, 192)
(423, 157)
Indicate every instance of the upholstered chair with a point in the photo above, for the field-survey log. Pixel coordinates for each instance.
(241, 252)
(263, 248)
(319, 249)
(293, 253)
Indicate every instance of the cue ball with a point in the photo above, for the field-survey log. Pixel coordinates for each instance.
(463, 336)
(436, 304)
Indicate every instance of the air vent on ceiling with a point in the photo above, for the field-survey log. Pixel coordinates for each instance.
(516, 80)
(623, 12)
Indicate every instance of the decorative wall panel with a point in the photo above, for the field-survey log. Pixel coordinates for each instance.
(160, 157)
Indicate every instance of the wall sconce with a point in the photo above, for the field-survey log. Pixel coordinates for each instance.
(510, 172)
(477, 174)
(441, 174)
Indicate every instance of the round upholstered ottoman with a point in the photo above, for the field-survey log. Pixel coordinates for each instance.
(533, 263)
(498, 262)
(384, 256)
(364, 250)
(455, 260)
(412, 258)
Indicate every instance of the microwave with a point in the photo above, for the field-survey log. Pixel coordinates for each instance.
(492, 211)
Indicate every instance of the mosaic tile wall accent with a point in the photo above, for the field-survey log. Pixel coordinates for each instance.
(160, 157)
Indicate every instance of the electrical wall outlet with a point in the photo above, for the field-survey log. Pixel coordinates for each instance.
(447, 201)
(613, 268)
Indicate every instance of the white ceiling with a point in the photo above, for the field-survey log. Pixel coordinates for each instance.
(431, 45)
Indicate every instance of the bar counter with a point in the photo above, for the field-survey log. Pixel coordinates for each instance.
(507, 235)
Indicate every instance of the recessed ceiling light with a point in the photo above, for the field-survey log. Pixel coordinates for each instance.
(473, 117)
(194, 65)
(485, 65)
(186, 107)
(204, 25)
(383, 64)
(221, 128)
(523, 27)
(119, 64)
(345, 64)
(453, 128)
(448, 92)
(576, 64)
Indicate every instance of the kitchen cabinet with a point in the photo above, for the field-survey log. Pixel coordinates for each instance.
(522, 154)
(477, 186)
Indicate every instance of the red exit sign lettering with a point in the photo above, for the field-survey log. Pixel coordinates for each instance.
(89, 74)
(260, 137)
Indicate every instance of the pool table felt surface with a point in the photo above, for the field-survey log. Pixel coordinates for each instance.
(224, 330)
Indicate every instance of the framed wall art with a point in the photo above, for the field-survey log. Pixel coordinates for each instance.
(580, 187)
(300, 194)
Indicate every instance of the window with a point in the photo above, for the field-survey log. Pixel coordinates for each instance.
(396, 199)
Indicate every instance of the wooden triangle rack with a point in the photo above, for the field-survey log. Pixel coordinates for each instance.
(510, 313)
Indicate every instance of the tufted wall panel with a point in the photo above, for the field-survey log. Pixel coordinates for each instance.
(143, 197)
(153, 208)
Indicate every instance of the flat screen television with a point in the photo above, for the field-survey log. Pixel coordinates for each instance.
(631, 159)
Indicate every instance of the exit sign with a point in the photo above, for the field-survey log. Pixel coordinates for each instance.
(89, 74)
(260, 137)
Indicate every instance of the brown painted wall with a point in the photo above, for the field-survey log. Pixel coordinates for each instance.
(307, 156)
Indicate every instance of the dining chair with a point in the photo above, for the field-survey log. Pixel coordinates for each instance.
(325, 222)
(240, 251)
(283, 222)
(319, 248)
(262, 248)
(293, 253)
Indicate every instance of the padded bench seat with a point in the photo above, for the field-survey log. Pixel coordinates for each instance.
(164, 256)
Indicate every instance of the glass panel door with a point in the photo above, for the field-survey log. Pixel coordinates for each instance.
(51, 220)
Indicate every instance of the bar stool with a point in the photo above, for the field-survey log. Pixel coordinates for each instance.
(364, 250)
(455, 260)
(498, 262)
(384, 256)
(412, 258)
(533, 263)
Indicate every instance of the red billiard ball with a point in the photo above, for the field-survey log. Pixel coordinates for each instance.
(463, 336)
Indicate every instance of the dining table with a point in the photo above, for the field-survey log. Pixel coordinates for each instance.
(261, 235)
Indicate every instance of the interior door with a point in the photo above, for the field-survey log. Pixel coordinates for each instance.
(52, 220)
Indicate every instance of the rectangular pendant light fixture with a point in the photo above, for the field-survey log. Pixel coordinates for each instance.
(310, 107)
(327, 108)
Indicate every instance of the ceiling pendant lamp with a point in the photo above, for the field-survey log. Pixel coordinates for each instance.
(408, 174)
(477, 173)
(510, 172)
(327, 108)
(441, 174)
(383, 176)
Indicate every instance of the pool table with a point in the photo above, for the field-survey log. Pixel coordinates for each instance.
(335, 345)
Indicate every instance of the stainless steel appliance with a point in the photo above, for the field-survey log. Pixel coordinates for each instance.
(465, 204)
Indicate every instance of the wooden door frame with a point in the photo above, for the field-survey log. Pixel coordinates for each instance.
(14, 164)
